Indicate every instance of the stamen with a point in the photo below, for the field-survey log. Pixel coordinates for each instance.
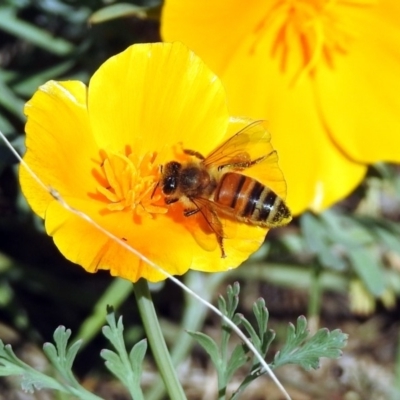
(319, 30)
(130, 183)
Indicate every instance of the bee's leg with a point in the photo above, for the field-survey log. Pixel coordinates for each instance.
(194, 153)
(220, 241)
(211, 217)
(216, 225)
(244, 162)
(190, 211)
(259, 159)
(170, 200)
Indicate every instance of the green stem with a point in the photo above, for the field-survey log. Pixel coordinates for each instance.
(156, 340)
(192, 320)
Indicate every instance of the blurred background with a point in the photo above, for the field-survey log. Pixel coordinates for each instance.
(340, 268)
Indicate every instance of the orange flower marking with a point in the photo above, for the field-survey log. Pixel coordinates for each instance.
(131, 183)
(317, 27)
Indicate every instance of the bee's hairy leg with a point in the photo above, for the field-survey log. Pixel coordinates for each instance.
(216, 226)
(258, 160)
(220, 241)
(170, 200)
(190, 211)
(194, 153)
(211, 217)
(242, 164)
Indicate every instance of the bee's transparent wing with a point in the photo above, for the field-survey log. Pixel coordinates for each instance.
(251, 143)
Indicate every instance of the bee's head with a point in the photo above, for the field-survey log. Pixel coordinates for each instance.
(170, 177)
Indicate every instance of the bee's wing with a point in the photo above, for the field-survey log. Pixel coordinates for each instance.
(250, 149)
(212, 213)
(253, 142)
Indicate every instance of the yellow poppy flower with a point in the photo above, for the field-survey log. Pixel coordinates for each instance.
(101, 148)
(324, 73)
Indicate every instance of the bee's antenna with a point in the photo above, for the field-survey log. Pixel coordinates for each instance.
(155, 188)
(157, 184)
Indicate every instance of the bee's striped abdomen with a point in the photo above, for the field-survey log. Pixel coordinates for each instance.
(250, 200)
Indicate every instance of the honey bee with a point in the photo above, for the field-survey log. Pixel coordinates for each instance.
(217, 186)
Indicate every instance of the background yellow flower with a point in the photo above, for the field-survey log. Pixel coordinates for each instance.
(101, 148)
(325, 74)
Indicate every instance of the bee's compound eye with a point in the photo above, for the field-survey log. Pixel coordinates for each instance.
(169, 185)
(170, 177)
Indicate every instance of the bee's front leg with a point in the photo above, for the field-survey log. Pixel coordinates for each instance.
(170, 200)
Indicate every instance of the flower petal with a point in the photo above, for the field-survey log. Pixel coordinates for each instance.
(57, 131)
(212, 29)
(167, 243)
(153, 96)
(360, 97)
(84, 244)
(299, 136)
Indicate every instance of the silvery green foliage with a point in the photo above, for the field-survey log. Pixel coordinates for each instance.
(300, 347)
(60, 356)
(126, 367)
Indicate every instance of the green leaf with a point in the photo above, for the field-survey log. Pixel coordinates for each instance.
(261, 314)
(346, 230)
(61, 357)
(122, 365)
(6, 127)
(136, 357)
(239, 357)
(110, 356)
(208, 345)
(32, 34)
(319, 241)
(369, 268)
(51, 352)
(10, 364)
(306, 351)
(115, 365)
(388, 238)
(268, 338)
(32, 380)
(311, 227)
(72, 352)
(222, 304)
(112, 331)
(251, 331)
(120, 10)
(233, 299)
(9, 100)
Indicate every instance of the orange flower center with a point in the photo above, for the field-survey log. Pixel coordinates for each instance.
(314, 30)
(130, 183)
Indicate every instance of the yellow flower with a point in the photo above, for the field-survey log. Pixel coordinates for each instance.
(101, 148)
(324, 73)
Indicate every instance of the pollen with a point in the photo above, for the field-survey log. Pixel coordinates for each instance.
(311, 32)
(131, 183)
